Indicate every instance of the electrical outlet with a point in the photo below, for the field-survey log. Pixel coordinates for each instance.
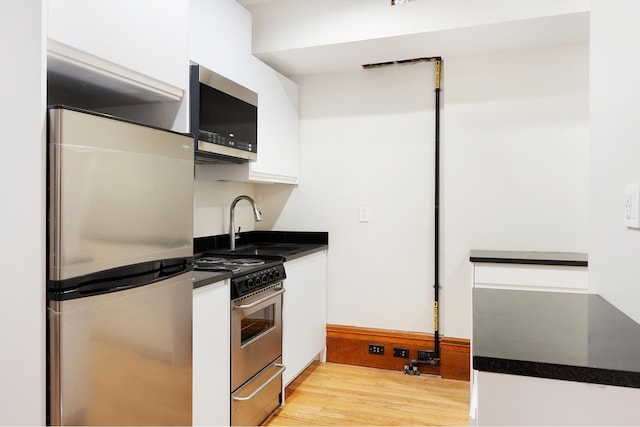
(401, 352)
(376, 349)
(426, 354)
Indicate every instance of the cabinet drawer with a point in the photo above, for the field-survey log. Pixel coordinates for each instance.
(531, 277)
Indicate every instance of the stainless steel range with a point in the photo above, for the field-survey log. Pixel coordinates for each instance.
(256, 333)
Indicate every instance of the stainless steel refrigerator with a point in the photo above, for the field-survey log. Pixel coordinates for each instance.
(119, 275)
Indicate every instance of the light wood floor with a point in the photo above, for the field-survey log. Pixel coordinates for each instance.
(331, 394)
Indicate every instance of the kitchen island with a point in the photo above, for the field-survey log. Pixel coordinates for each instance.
(555, 335)
(550, 357)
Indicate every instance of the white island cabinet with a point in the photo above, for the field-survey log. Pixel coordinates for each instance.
(211, 355)
(534, 271)
(304, 313)
(515, 400)
(553, 358)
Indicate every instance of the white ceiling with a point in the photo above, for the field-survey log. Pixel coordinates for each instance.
(517, 34)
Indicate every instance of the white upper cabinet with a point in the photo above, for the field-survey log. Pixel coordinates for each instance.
(122, 53)
(147, 36)
(220, 39)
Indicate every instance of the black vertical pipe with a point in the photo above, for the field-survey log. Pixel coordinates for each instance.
(436, 286)
(412, 367)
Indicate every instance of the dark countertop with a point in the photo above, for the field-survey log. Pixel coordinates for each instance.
(530, 257)
(204, 278)
(288, 245)
(565, 336)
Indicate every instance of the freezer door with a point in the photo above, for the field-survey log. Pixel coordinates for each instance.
(119, 194)
(122, 358)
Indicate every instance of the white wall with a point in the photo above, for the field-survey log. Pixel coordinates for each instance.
(514, 171)
(367, 140)
(615, 150)
(515, 152)
(211, 206)
(22, 167)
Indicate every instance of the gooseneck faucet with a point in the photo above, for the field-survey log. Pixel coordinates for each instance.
(232, 225)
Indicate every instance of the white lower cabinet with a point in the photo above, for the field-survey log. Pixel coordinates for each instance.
(304, 313)
(211, 355)
(511, 400)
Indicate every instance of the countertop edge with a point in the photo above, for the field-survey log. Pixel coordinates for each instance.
(221, 241)
(308, 251)
(219, 277)
(581, 374)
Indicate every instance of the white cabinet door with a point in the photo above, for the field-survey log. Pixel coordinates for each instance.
(211, 355)
(304, 313)
(120, 57)
(278, 138)
(146, 36)
(530, 277)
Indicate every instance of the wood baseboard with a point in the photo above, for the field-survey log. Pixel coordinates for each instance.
(350, 345)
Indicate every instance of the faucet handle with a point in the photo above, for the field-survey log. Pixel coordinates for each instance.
(238, 233)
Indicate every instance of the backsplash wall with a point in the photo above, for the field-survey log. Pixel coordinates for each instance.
(212, 200)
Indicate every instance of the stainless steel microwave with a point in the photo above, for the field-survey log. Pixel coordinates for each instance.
(223, 118)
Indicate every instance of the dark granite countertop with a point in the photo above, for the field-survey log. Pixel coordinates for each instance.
(565, 336)
(577, 259)
(288, 245)
(204, 278)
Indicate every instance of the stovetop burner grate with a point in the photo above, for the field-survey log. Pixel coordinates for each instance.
(248, 274)
(218, 267)
(244, 262)
(210, 260)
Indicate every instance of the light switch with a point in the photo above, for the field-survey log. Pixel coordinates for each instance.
(364, 214)
(632, 205)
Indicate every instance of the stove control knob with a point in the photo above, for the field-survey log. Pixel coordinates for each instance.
(250, 283)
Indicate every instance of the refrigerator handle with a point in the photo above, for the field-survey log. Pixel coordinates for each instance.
(117, 279)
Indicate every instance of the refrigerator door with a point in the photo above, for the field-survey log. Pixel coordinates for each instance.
(123, 358)
(120, 193)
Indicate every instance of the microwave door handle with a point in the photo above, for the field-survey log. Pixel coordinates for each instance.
(266, 383)
(260, 301)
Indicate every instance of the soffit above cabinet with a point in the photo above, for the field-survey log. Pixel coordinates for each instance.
(76, 77)
(293, 36)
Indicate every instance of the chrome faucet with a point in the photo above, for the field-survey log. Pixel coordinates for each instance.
(232, 232)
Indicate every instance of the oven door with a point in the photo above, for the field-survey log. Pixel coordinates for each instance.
(256, 333)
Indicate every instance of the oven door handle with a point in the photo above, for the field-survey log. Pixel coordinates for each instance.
(266, 383)
(260, 301)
